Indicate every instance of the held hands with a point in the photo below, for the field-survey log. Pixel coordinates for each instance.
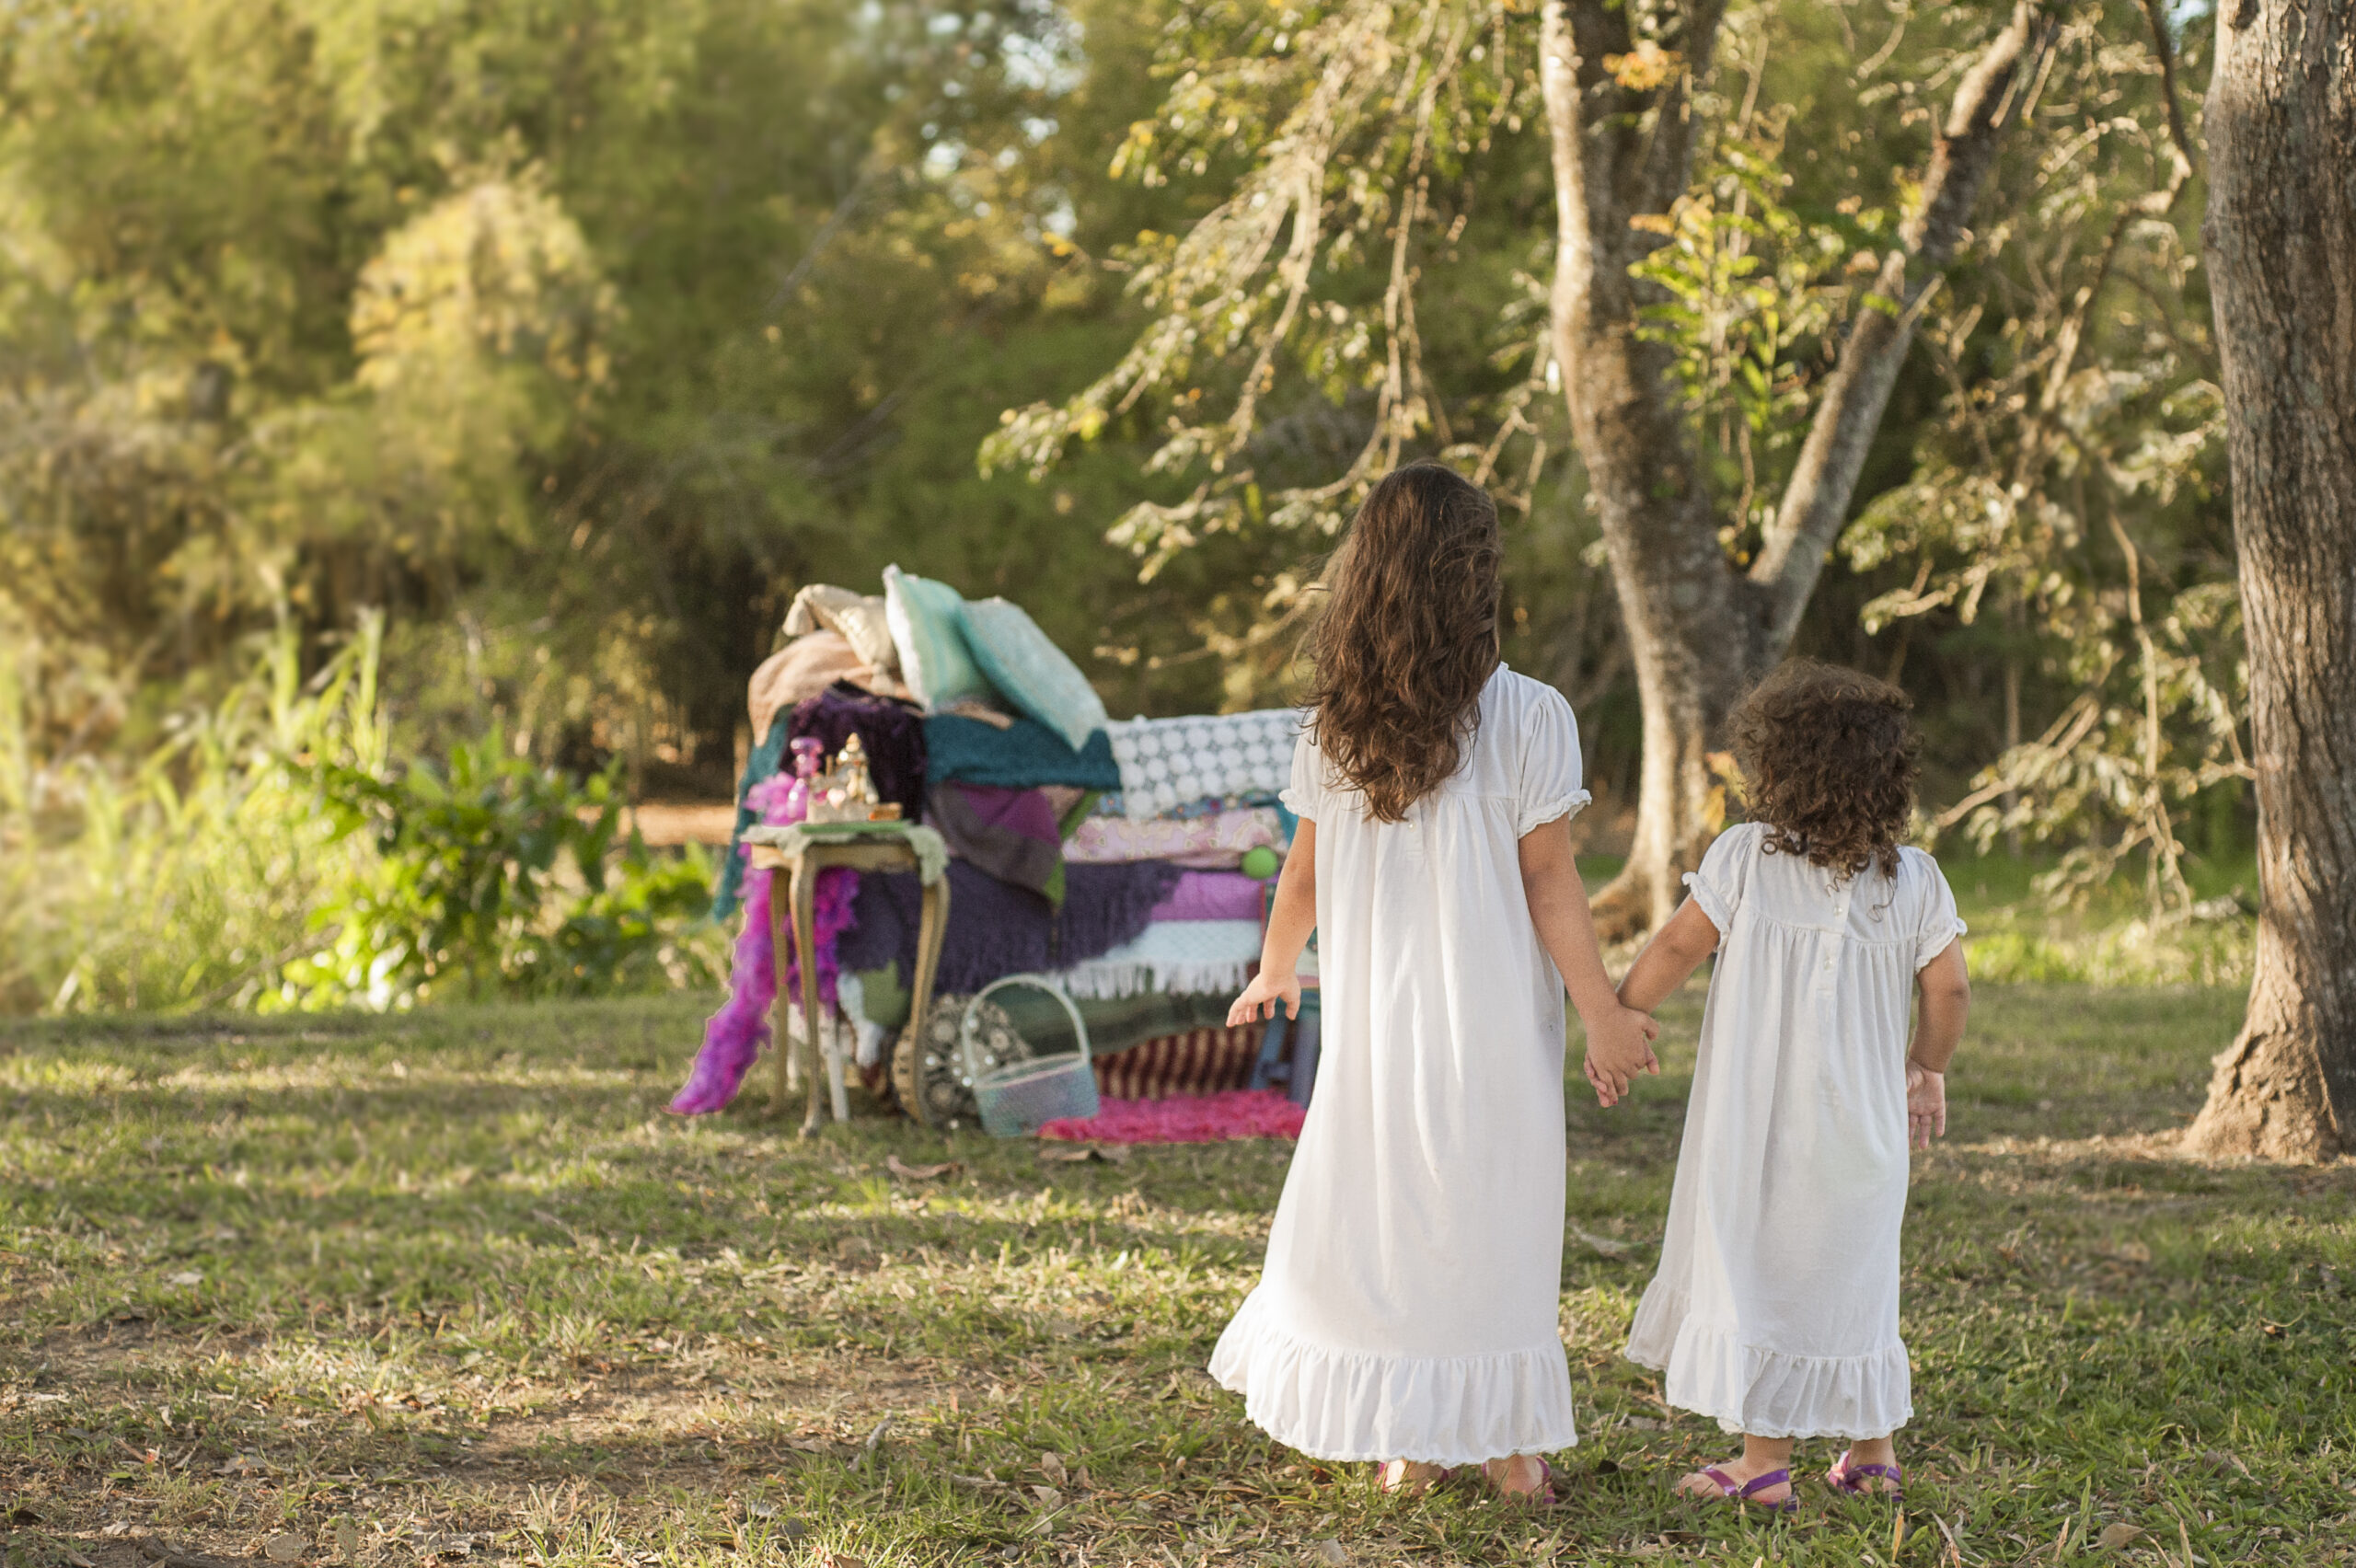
(1619, 1046)
(1264, 996)
(1927, 1105)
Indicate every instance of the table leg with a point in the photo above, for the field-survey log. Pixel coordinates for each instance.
(781, 1006)
(932, 926)
(805, 945)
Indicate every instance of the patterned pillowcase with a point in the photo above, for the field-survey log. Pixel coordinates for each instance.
(1030, 671)
(929, 633)
(1166, 762)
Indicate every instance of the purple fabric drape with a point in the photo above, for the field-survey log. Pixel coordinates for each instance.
(892, 731)
(996, 930)
(1010, 834)
(1213, 895)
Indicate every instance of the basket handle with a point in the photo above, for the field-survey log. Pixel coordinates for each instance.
(965, 1026)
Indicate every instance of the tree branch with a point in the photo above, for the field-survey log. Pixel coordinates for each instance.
(1816, 502)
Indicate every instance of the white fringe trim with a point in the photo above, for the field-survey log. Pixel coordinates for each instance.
(1109, 980)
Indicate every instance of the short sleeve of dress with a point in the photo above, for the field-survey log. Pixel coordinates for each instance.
(1717, 887)
(1553, 773)
(1305, 796)
(1939, 924)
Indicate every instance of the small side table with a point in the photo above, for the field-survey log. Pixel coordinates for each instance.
(803, 860)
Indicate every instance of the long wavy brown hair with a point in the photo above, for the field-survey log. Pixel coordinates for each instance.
(1828, 761)
(1408, 636)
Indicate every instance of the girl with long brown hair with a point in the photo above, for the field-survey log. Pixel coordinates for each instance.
(1407, 1310)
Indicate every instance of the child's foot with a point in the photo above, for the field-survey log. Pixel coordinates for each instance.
(1525, 1478)
(1740, 1480)
(1407, 1477)
(1866, 1468)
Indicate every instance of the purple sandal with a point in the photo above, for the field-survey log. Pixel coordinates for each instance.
(1851, 1479)
(1741, 1492)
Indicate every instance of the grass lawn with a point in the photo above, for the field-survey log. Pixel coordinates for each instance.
(452, 1286)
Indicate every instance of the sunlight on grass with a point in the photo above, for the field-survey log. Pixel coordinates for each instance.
(449, 1286)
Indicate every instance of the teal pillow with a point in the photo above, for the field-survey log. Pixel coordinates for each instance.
(929, 633)
(1030, 671)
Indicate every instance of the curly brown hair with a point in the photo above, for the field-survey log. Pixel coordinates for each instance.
(1827, 758)
(1408, 636)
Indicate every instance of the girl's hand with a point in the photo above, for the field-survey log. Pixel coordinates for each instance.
(1619, 1046)
(1261, 997)
(1927, 1105)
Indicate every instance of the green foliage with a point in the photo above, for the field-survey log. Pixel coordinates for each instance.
(187, 879)
(2071, 480)
(1753, 299)
(495, 876)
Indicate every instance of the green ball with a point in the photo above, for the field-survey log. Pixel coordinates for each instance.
(1260, 863)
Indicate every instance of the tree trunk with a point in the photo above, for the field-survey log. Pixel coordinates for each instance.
(1700, 631)
(2279, 236)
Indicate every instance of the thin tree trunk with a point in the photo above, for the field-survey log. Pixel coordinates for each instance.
(2279, 234)
(1699, 631)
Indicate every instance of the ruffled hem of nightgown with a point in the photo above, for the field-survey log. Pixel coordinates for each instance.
(1768, 1393)
(1336, 1404)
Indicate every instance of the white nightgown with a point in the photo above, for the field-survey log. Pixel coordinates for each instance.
(1408, 1306)
(1775, 1306)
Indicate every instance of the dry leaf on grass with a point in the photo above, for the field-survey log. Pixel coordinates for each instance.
(917, 1173)
(2113, 1537)
(1051, 1465)
(1332, 1551)
(285, 1548)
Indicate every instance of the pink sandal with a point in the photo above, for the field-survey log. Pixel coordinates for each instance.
(1741, 1492)
(1851, 1479)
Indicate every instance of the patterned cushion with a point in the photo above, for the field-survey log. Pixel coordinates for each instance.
(1030, 671)
(929, 633)
(1166, 762)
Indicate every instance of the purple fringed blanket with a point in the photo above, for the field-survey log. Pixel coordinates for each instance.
(996, 930)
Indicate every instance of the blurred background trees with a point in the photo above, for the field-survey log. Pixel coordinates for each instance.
(572, 339)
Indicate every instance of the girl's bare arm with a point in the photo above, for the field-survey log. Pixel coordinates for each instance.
(1945, 987)
(1290, 920)
(1675, 952)
(1618, 1041)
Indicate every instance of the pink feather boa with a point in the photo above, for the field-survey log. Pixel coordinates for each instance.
(734, 1038)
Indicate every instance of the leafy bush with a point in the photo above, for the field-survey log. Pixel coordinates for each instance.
(494, 876)
(187, 876)
(228, 866)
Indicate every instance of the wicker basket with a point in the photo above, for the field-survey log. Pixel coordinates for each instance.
(1017, 1098)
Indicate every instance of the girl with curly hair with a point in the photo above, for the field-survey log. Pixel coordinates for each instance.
(1775, 1306)
(1407, 1310)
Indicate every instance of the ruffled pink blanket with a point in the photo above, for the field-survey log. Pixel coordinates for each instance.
(1204, 1118)
(1210, 843)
